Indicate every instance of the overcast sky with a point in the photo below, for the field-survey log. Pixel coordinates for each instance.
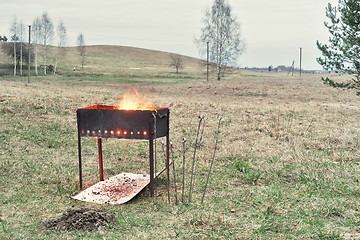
(273, 30)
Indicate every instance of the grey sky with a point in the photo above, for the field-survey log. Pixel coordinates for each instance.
(273, 30)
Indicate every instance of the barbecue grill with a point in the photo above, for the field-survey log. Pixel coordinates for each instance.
(101, 121)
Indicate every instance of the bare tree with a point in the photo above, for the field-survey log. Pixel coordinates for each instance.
(21, 39)
(61, 32)
(222, 31)
(176, 62)
(36, 32)
(47, 34)
(14, 37)
(81, 49)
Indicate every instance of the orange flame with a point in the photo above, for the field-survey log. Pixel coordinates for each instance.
(134, 101)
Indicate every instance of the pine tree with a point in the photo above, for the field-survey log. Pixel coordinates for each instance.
(343, 51)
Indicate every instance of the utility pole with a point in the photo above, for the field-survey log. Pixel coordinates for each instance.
(29, 54)
(207, 62)
(300, 59)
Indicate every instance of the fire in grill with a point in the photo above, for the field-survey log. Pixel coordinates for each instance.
(100, 121)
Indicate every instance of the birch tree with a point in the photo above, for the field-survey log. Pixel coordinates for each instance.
(47, 34)
(222, 31)
(21, 39)
(14, 37)
(61, 32)
(81, 49)
(36, 33)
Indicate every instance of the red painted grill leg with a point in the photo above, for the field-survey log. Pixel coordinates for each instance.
(100, 160)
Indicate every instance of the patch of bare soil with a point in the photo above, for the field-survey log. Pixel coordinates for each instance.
(79, 218)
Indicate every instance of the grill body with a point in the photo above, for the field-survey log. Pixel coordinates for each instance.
(101, 121)
(108, 122)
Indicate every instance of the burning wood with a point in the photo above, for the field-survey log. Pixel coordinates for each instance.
(135, 101)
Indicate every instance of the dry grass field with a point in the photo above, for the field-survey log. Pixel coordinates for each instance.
(287, 164)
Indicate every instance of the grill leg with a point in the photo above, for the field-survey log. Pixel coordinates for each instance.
(80, 168)
(167, 154)
(151, 152)
(79, 148)
(100, 160)
(167, 161)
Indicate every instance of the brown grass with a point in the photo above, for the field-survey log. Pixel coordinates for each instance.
(287, 163)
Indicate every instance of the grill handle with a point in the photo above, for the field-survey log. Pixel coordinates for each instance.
(160, 116)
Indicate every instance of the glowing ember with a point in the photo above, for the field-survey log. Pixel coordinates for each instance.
(134, 101)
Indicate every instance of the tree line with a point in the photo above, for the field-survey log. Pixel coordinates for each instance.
(42, 36)
(220, 39)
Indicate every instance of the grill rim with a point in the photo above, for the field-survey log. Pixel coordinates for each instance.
(98, 121)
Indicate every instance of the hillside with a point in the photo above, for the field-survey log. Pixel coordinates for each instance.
(115, 60)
